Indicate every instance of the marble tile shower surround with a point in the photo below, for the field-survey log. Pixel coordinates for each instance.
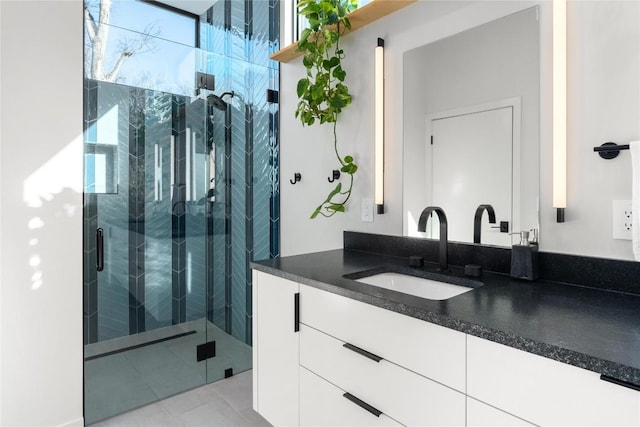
(600, 273)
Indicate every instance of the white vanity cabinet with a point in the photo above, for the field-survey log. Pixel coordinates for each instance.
(275, 349)
(321, 359)
(482, 415)
(546, 392)
(384, 359)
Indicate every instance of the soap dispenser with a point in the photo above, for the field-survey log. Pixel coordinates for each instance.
(524, 258)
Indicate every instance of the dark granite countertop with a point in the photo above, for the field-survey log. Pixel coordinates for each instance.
(594, 329)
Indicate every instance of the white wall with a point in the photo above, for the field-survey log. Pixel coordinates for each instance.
(604, 104)
(41, 213)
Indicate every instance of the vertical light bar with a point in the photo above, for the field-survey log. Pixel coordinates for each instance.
(188, 166)
(194, 168)
(160, 188)
(172, 165)
(156, 196)
(379, 126)
(560, 107)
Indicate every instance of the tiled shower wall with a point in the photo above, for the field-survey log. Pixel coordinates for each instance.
(167, 264)
(246, 32)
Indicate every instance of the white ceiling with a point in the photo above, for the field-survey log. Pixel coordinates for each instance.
(197, 7)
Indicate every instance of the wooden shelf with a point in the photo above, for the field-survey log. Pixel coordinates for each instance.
(360, 17)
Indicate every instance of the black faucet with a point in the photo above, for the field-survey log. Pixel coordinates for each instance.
(442, 218)
(477, 219)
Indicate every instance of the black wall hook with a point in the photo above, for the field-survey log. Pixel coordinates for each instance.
(296, 177)
(610, 150)
(335, 175)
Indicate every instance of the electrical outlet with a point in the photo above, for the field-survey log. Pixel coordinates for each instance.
(622, 219)
(367, 210)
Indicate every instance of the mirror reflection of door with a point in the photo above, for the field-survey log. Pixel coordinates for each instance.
(471, 156)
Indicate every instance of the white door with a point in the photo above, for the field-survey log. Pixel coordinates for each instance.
(471, 166)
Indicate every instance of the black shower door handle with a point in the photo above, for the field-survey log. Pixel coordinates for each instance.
(99, 249)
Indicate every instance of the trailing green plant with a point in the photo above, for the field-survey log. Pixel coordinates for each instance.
(322, 93)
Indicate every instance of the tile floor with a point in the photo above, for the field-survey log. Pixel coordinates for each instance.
(225, 403)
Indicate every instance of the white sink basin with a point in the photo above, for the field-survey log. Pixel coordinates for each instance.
(417, 286)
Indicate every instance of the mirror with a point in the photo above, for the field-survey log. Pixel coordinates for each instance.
(471, 105)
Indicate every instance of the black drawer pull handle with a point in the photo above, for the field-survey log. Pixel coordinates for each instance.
(99, 249)
(362, 404)
(620, 382)
(296, 312)
(362, 352)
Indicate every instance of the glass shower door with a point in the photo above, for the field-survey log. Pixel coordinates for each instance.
(146, 247)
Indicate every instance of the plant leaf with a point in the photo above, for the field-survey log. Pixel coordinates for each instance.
(349, 168)
(316, 212)
(304, 36)
(303, 84)
(338, 102)
(307, 61)
(335, 191)
(338, 207)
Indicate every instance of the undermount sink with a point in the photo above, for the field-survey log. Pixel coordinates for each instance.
(419, 286)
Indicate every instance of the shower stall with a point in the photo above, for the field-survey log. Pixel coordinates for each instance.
(181, 193)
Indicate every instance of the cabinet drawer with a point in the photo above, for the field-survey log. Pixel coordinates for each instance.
(546, 392)
(405, 396)
(323, 404)
(482, 415)
(431, 350)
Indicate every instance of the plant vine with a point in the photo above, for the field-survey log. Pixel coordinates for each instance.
(322, 93)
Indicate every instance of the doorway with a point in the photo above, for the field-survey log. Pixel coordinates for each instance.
(473, 154)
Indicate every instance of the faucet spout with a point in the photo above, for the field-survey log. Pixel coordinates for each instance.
(477, 220)
(443, 245)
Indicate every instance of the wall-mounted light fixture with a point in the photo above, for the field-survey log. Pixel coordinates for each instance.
(560, 108)
(379, 126)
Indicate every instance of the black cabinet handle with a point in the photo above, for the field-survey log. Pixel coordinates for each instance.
(99, 249)
(620, 382)
(296, 312)
(362, 404)
(362, 352)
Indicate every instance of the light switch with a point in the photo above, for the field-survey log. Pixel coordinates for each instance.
(367, 210)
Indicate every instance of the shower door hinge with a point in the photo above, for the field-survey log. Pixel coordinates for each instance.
(272, 96)
(205, 81)
(206, 351)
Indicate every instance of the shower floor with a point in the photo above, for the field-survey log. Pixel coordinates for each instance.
(132, 371)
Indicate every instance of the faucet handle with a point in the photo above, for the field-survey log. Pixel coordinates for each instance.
(504, 227)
